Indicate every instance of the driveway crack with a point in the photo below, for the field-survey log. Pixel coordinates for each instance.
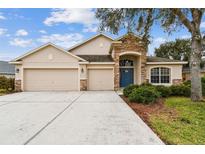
(52, 120)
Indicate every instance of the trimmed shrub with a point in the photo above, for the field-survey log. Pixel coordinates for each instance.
(144, 94)
(128, 90)
(6, 83)
(146, 84)
(3, 90)
(180, 90)
(163, 90)
(3, 82)
(187, 83)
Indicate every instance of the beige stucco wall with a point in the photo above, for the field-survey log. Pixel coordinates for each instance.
(49, 57)
(18, 76)
(100, 66)
(83, 71)
(176, 71)
(97, 46)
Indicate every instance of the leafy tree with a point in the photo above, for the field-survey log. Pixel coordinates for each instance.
(179, 49)
(141, 21)
(132, 19)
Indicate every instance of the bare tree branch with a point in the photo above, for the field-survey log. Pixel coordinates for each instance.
(177, 12)
(197, 16)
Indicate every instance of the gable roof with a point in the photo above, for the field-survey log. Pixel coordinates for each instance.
(6, 68)
(43, 46)
(100, 34)
(97, 58)
(152, 59)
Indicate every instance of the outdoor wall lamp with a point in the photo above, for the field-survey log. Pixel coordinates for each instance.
(17, 70)
(82, 70)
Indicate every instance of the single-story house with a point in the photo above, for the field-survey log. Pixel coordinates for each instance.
(7, 69)
(99, 63)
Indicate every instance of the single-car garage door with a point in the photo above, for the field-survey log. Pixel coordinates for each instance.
(50, 79)
(100, 79)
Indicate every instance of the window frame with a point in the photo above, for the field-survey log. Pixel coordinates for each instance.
(126, 66)
(160, 75)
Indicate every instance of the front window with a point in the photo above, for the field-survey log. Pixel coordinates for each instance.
(160, 75)
(126, 62)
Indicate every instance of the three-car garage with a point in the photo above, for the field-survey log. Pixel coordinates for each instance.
(66, 79)
(50, 68)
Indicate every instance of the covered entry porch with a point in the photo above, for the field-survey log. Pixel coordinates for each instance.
(129, 69)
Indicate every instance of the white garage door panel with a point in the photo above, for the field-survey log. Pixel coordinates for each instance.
(50, 79)
(100, 79)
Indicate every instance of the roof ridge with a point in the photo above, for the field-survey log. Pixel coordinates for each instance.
(157, 59)
(89, 39)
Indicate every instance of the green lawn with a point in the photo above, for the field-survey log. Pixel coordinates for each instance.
(185, 126)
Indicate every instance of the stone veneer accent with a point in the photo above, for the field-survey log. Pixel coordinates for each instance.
(176, 81)
(83, 84)
(128, 43)
(18, 85)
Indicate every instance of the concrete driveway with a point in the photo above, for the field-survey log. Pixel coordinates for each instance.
(70, 118)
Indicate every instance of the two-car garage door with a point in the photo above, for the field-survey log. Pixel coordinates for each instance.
(50, 79)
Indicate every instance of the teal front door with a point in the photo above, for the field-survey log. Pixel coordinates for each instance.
(126, 76)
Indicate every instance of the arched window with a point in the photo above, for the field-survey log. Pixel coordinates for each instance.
(126, 62)
(160, 75)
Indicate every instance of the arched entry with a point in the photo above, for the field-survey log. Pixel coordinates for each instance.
(126, 72)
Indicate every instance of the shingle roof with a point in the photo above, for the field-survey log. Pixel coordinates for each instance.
(108, 58)
(6, 68)
(159, 59)
(97, 58)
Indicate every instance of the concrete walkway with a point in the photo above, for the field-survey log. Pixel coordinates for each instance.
(71, 118)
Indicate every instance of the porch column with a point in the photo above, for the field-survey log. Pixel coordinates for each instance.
(83, 77)
(143, 66)
(116, 57)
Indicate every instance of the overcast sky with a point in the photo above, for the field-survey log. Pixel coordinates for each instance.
(22, 30)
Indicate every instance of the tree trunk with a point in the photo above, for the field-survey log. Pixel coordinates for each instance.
(196, 88)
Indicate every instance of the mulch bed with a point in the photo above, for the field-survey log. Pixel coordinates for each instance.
(146, 111)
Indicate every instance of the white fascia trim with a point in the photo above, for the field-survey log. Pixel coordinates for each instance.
(86, 62)
(83, 78)
(15, 62)
(169, 63)
(94, 68)
(130, 53)
(75, 46)
(43, 46)
(164, 84)
(103, 63)
(39, 67)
